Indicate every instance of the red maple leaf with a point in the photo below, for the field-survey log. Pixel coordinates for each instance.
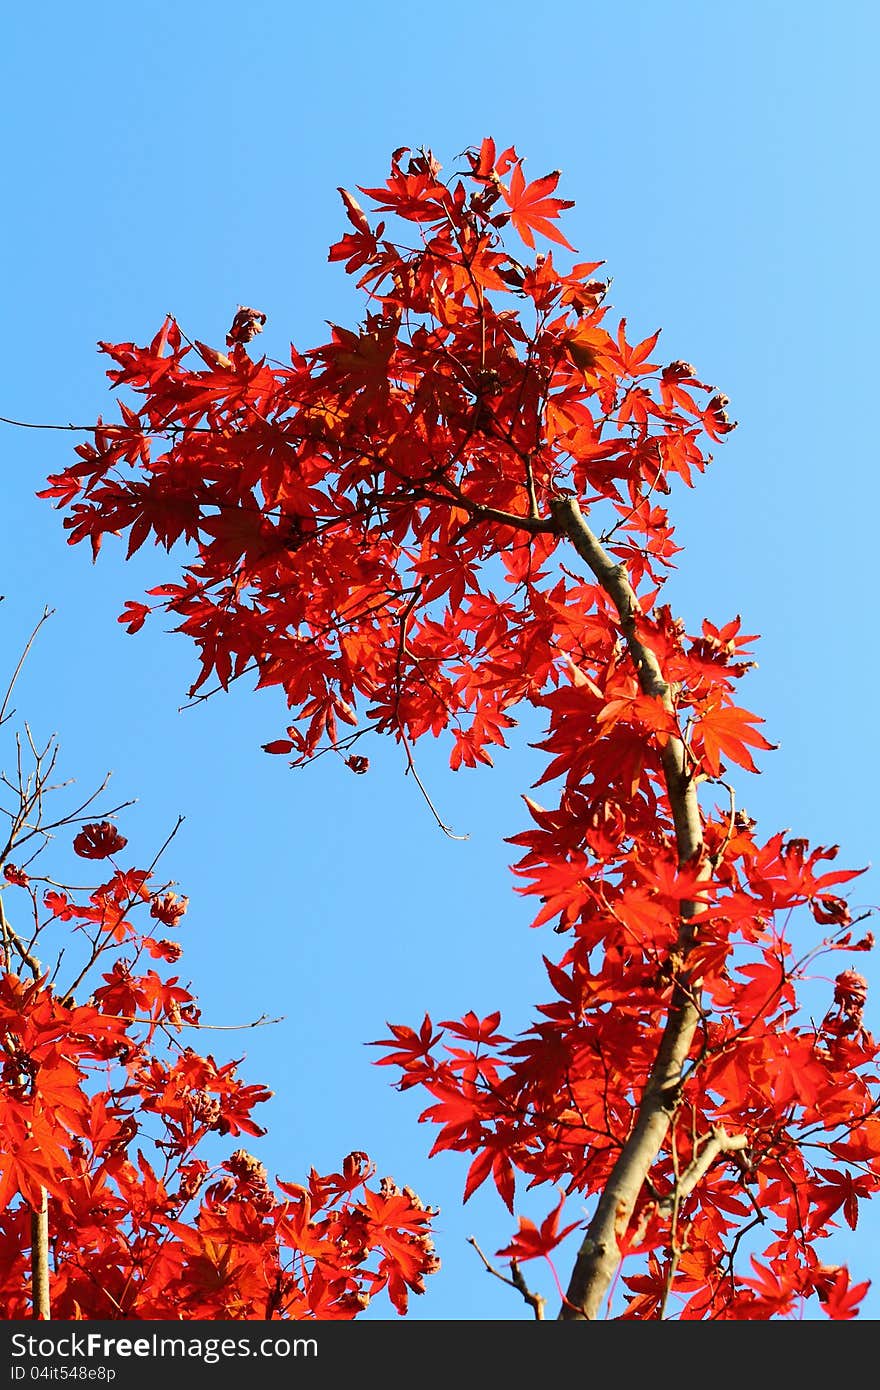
(532, 1241)
(98, 841)
(727, 729)
(533, 209)
(840, 1300)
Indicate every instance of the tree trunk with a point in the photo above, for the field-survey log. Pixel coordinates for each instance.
(599, 1254)
(40, 1259)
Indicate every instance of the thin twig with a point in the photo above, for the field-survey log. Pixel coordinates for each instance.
(535, 1300)
(411, 767)
(11, 938)
(47, 613)
(30, 425)
(162, 848)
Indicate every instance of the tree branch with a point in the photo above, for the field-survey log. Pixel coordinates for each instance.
(535, 1301)
(719, 1142)
(599, 1253)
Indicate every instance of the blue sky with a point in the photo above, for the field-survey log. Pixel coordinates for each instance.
(185, 158)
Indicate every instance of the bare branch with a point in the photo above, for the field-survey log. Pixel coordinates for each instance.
(31, 425)
(411, 767)
(11, 939)
(47, 613)
(535, 1300)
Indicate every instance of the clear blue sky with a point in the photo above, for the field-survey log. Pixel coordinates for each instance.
(185, 158)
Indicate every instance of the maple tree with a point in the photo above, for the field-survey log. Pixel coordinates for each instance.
(455, 511)
(117, 1200)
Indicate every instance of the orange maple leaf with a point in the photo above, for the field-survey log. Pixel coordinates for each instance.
(532, 207)
(726, 729)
